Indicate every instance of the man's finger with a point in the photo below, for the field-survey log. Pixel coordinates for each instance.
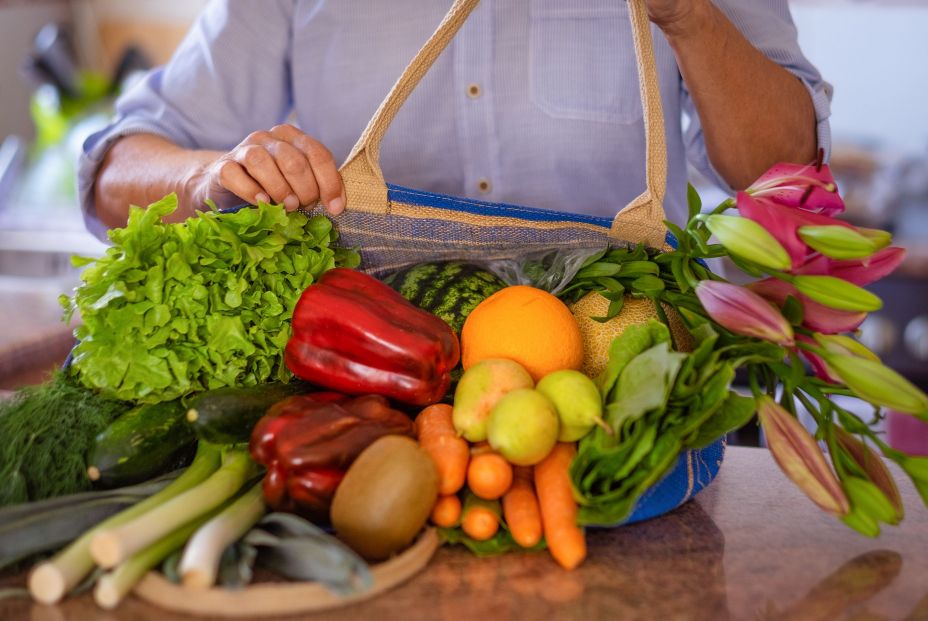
(234, 179)
(297, 171)
(258, 162)
(331, 190)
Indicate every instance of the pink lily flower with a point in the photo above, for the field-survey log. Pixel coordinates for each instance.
(744, 312)
(860, 272)
(815, 316)
(819, 367)
(808, 186)
(783, 222)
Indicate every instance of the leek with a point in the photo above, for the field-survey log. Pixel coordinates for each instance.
(200, 562)
(53, 579)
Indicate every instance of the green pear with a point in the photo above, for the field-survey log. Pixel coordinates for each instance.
(523, 427)
(577, 401)
(480, 388)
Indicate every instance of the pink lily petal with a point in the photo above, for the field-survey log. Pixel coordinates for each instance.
(744, 312)
(789, 185)
(783, 223)
(815, 316)
(860, 272)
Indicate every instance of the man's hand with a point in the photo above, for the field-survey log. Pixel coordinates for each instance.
(282, 165)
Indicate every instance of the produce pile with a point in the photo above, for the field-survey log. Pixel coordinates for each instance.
(237, 365)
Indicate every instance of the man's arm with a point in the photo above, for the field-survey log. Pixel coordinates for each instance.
(754, 113)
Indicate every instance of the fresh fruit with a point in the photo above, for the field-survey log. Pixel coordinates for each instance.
(523, 427)
(447, 511)
(385, 498)
(598, 336)
(524, 324)
(480, 518)
(449, 289)
(577, 401)
(489, 475)
(481, 387)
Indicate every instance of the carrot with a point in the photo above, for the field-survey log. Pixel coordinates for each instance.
(481, 518)
(450, 452)
(447, 511)
(520, 509)
(558, 508)
(489, 475)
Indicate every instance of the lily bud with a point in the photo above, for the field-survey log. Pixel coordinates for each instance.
(748, 240)
(744, 312)
(841, 242)
(856, 271)
(800, 458)
(836, 293)
(877, 383)
(876, 471)
(814, 315)
(917, 469)
(845, 345)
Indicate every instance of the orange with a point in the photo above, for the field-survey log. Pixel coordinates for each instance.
(524, 324)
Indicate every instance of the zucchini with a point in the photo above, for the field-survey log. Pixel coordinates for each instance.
(146, 441)
(227, 415)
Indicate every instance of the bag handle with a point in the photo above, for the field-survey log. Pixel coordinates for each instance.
(642, 220)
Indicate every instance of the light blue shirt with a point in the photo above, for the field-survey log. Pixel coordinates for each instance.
(535, 102)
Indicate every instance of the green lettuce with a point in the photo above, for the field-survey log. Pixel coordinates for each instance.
(172, 309)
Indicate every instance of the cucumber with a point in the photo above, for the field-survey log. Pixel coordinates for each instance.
(146, 441)
(227, 415)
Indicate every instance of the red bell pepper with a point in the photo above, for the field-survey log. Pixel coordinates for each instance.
(356, 335)
(307, 443)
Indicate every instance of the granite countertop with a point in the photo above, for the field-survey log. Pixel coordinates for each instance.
(748, 547)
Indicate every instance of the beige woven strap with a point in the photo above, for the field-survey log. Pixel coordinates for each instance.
(640, 221)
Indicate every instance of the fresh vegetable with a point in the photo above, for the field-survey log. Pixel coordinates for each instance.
(173, 309)
(228, 415)
(558, 508)
(500, 543)
(34, 527)
(46, 432)
(308, 442)
(481, 387)
(447, 511)
(449, 289)
(114, 545)
(523, 427)
(481, 517)
(144, 442)
(113, 587)
(520, 509)
(489, 475)
(296, 549)
(53, 579)
(200, 563)
(436, 434)
(385, 498)
(354, 334)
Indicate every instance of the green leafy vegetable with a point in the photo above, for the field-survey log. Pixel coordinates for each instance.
(46, 432)
(501, 543)
(173, 309)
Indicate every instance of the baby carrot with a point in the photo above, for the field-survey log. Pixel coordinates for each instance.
(558, 509)
(447, 511)
(489, 475)
(450, 452)
(481, 518)
(520, 509)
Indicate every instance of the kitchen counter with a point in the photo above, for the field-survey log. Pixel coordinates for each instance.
(751, 546)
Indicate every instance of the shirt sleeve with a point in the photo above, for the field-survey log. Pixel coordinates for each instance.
(229, 77)
(768, 25)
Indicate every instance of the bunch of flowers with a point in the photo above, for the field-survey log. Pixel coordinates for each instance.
(811, 269)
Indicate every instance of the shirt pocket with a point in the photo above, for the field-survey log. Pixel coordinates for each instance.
(582, 61)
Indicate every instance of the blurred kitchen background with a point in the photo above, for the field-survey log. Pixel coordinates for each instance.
(62, 62)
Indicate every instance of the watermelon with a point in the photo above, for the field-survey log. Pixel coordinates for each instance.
(449, 289)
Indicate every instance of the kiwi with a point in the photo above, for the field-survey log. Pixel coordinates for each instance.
(385, 498)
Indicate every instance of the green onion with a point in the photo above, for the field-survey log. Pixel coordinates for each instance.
(200, 562)
(50, 581)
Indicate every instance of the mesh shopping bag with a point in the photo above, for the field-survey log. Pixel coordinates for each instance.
(395, 226)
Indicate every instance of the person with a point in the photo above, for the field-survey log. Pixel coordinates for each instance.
(534, 103)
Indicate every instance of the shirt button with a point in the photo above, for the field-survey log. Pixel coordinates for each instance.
(484, 186)
(473, 91)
